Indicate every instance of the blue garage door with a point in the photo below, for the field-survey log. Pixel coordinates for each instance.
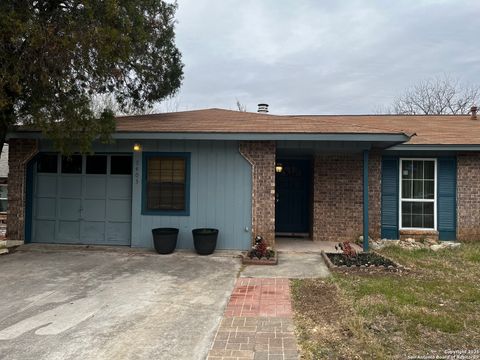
(82, 199)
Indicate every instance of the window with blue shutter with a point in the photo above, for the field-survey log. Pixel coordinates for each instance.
(390, 197)
(447, 198)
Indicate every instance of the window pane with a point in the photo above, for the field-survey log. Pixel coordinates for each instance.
(417, 189)
(417, 169)
(166, 183)
(96, 164)
(406, 207)
(407, 189)
(121, 165)
(428, 208)
(428, 221)
(406, 220)
(417, 208)
(3, 191)
(47, 163)
(406, 169)
(417, 214)
(72, 164)
(3, 205)
(417, 221)
(429, 189)
(429, 170)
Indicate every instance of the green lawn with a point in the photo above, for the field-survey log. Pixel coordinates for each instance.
(430, 310)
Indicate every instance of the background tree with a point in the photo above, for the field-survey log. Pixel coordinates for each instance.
(437, 96)
(57, 56)
(241, 107)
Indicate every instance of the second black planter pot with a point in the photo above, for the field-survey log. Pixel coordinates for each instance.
(205, 240)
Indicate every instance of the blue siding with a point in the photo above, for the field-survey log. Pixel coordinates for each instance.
(220, 191)
(447, 198)
(390, 198)
(220, 195)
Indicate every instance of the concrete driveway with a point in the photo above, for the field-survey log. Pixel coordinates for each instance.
(111, 305)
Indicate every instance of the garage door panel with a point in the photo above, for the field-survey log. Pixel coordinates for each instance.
(118, 233)
(69, 209)
(94, 210)
(70, 186)
(81, 208)
(68, 231)
(46, 208)
(119, 210)
(95, 187)
(46, 185)
(93, 232)
(120, 187)
(45, 231)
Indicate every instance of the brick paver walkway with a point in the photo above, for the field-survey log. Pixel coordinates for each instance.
(257, 323)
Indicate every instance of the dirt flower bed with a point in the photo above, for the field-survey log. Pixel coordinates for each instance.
(362, 259)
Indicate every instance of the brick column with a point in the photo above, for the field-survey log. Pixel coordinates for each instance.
(261, 154)
(468, 197)
(20, 152)
(338, 200)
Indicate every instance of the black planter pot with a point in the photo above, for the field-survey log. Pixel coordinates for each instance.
(165, 239)
(205, 240)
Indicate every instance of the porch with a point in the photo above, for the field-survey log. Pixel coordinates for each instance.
(307, 246)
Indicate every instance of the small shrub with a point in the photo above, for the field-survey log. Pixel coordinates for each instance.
(260, 249)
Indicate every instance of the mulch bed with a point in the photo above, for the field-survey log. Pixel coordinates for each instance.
(370, 261)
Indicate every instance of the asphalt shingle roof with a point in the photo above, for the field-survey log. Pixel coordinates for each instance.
(431, 129)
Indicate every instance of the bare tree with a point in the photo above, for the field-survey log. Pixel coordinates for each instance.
(169, 104)
(241, 107)
(437, 96)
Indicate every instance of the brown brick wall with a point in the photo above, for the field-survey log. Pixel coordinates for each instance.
(261, 154)
(468, 197)
(338, 197)
(20, 152)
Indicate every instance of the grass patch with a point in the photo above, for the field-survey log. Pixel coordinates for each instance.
(434, 308)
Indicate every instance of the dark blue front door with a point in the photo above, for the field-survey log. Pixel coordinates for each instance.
(292, 188)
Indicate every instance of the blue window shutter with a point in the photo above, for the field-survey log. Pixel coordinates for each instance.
(390, 197)
(447, 198)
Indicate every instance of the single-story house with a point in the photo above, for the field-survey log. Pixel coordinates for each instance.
(326, 178)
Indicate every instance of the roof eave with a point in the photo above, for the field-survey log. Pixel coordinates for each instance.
(393, 138)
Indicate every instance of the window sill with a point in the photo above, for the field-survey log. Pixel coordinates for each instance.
(418, 232)
(166, 212)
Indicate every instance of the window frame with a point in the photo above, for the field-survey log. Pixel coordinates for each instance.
(401, 199)
(148, 155)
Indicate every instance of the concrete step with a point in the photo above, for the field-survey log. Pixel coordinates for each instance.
(10, 243)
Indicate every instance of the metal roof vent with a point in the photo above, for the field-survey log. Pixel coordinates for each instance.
(473, 110)
(262, 108)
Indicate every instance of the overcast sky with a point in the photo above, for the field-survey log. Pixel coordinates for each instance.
(321, 56)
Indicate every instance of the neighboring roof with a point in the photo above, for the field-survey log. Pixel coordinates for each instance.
(428, 129)
(4, 162)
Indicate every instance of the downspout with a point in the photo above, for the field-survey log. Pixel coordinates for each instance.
(252, 164)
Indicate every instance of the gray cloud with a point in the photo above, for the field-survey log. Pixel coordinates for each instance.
(324, 57)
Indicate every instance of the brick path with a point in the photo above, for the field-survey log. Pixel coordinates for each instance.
(257, 323)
